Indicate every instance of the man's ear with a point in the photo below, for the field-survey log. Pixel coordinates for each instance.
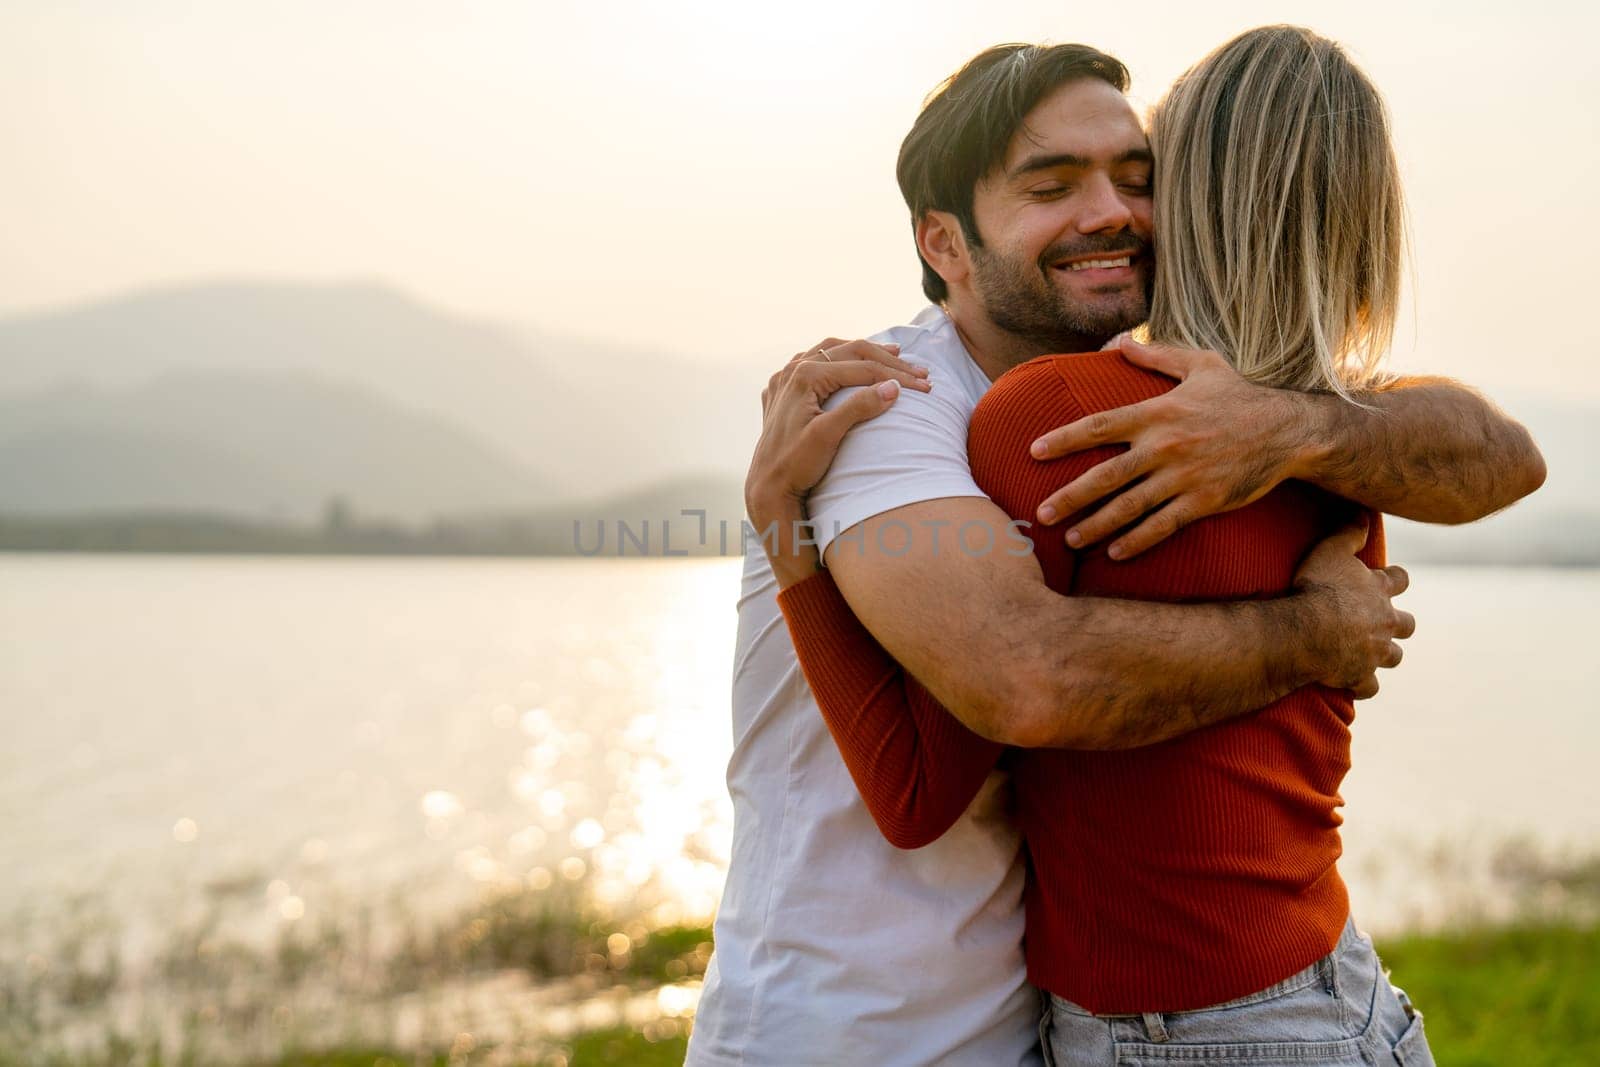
(944, 246)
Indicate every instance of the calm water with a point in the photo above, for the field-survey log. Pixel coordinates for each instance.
(320, 728)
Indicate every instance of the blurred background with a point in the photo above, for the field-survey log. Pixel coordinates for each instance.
(345, 348)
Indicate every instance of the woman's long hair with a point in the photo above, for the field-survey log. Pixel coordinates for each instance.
(1278, 213)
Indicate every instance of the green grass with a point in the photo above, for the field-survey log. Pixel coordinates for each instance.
(355, 1057)
(619, 1047)
(1527, 995)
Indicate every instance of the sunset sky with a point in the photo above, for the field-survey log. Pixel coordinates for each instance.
(714, 178)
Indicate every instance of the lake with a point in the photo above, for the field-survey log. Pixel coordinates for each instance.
(307, 731)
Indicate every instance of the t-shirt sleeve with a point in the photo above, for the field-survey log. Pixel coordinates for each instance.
(915, 451)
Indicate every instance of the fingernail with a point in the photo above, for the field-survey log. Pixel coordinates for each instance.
(1037, 448)
(891, 346)
(1047, 513)
(888, 389)
(920, 372)
(1074, 538)
(1115, 551)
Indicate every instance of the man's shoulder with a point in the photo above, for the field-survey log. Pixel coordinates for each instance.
(917, 449)
(931, 339)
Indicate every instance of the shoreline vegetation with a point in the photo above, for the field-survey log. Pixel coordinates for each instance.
(693, 533)
(519, 975)
(546, 978)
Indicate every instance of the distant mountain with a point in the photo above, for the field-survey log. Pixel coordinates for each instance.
(278, 444)
(593, 419)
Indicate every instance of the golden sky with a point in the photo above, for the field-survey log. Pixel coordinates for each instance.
(714, 178)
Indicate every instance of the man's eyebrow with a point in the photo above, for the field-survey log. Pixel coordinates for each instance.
(1034, 164)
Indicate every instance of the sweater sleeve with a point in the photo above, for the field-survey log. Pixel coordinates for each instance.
(916, 766)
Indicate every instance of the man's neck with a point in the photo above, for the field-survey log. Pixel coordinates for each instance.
(995, 350)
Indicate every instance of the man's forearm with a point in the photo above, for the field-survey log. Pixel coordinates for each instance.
(1113, 674)
(1021, 664)
(1428, 449)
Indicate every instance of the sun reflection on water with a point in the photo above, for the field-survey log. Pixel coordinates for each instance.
(619, 774)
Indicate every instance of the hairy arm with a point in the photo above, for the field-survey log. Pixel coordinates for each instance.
(1428, 449)
(1023, 665)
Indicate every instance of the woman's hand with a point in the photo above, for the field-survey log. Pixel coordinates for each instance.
(799, 439)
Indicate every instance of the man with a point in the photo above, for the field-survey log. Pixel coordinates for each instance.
(1028, 182)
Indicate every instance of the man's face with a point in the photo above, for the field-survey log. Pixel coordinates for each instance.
(1066, 260)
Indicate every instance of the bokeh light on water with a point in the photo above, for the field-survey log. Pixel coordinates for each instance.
(515, 713)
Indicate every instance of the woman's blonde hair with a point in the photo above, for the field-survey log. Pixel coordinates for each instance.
(1278, 213)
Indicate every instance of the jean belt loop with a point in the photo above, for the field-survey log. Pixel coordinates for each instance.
(1155, 1027)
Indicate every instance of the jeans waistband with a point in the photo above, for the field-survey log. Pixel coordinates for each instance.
(1348, 971)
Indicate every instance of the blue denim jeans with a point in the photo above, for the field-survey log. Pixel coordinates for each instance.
(1339, 1011)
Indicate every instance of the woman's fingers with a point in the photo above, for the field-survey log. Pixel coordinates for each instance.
(816, 350)
(832, 352)
(887, 354)
(827, 430)
(823, 379)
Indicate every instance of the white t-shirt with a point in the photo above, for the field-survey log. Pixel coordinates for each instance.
(832, 946)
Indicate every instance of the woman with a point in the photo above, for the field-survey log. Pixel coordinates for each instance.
(1183, 901)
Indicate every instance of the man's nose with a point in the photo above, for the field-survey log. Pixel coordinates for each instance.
(1104, 209)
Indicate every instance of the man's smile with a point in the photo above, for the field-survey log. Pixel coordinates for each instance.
(1100, 268)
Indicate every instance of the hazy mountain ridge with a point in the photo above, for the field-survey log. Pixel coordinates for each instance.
(251, 444)
(591, 419)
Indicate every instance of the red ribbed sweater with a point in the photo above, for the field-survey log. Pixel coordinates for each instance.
(1163, 878)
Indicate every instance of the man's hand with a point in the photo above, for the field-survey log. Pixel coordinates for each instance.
(799, 440)
(1427, 449)
(1213, 443)
(1359, 627)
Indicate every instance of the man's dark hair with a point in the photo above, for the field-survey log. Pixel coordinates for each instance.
(967, 124)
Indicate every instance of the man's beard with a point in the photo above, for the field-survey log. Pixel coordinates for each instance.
(1024, 301)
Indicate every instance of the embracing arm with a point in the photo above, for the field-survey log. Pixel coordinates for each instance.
(1428, 449)
(1014, 661)
(1023, 665)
